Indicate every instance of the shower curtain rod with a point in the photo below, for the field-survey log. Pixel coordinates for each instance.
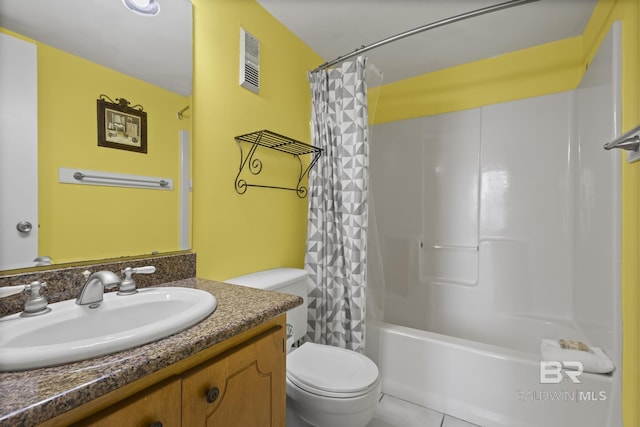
(442, 22)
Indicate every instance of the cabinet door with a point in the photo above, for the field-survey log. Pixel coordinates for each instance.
(244, 387)
(160, 404)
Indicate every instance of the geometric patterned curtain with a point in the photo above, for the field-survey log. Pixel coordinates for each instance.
(336, 253)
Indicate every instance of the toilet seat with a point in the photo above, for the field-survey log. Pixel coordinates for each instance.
(331, 371)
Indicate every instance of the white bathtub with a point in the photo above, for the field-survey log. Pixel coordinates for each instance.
(485, 384)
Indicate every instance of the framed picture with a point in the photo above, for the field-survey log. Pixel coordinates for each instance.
(121, 126)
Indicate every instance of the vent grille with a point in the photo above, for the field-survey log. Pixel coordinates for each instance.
(249, 61)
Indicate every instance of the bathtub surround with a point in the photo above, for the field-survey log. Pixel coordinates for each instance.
(337, 225)
(498, 227)
(550, 68)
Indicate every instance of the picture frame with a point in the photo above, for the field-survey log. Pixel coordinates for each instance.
(121, 126)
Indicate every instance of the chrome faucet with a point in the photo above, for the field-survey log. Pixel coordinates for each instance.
(93, 289)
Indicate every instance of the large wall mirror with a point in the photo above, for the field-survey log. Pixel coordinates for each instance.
(84, 49)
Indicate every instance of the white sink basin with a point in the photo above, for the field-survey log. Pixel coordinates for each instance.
(71, 332)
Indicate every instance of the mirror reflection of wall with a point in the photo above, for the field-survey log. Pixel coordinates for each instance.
(77, 222)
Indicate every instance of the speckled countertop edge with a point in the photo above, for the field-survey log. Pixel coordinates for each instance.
(34, 396)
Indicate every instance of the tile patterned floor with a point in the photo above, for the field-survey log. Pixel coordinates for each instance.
(392, 412)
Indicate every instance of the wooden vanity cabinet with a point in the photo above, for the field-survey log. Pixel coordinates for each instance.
(160, 406)
(242, 388)
(238, 382)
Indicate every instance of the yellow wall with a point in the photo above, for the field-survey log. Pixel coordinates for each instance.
(541, 70)
(626, 11)
(553, 67)
(264, 228)
(80, 222)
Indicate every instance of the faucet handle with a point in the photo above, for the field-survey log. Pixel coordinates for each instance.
(36, 303)
(128, 285)
(144, 270)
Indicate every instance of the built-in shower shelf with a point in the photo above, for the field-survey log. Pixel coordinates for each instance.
(274, 141)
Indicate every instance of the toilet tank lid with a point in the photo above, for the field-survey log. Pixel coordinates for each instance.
(270, 279)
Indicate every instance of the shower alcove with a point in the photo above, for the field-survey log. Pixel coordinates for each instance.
(491, 229)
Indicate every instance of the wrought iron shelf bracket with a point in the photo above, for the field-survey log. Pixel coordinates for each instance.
(274, 141)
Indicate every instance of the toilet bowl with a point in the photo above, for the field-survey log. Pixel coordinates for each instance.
(326, 386)
(330, 386)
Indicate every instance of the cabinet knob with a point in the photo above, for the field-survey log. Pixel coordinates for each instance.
(212, 394)
(155, 424)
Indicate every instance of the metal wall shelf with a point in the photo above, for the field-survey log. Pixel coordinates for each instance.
(274, 141)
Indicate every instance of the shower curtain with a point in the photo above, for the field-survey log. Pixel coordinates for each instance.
(337, 227)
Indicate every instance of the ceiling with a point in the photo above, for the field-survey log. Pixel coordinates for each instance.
(159, 49)
(155, 49)
(335, 27)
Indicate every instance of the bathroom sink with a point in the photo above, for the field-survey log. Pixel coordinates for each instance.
(71, 332)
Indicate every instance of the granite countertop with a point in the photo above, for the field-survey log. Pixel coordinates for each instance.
(34, 396)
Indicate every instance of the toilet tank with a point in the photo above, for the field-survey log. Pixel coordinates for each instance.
(287, 280)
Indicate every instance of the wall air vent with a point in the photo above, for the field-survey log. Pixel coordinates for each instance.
(249, 61)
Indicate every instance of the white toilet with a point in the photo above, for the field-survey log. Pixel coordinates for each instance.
(326, 386)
